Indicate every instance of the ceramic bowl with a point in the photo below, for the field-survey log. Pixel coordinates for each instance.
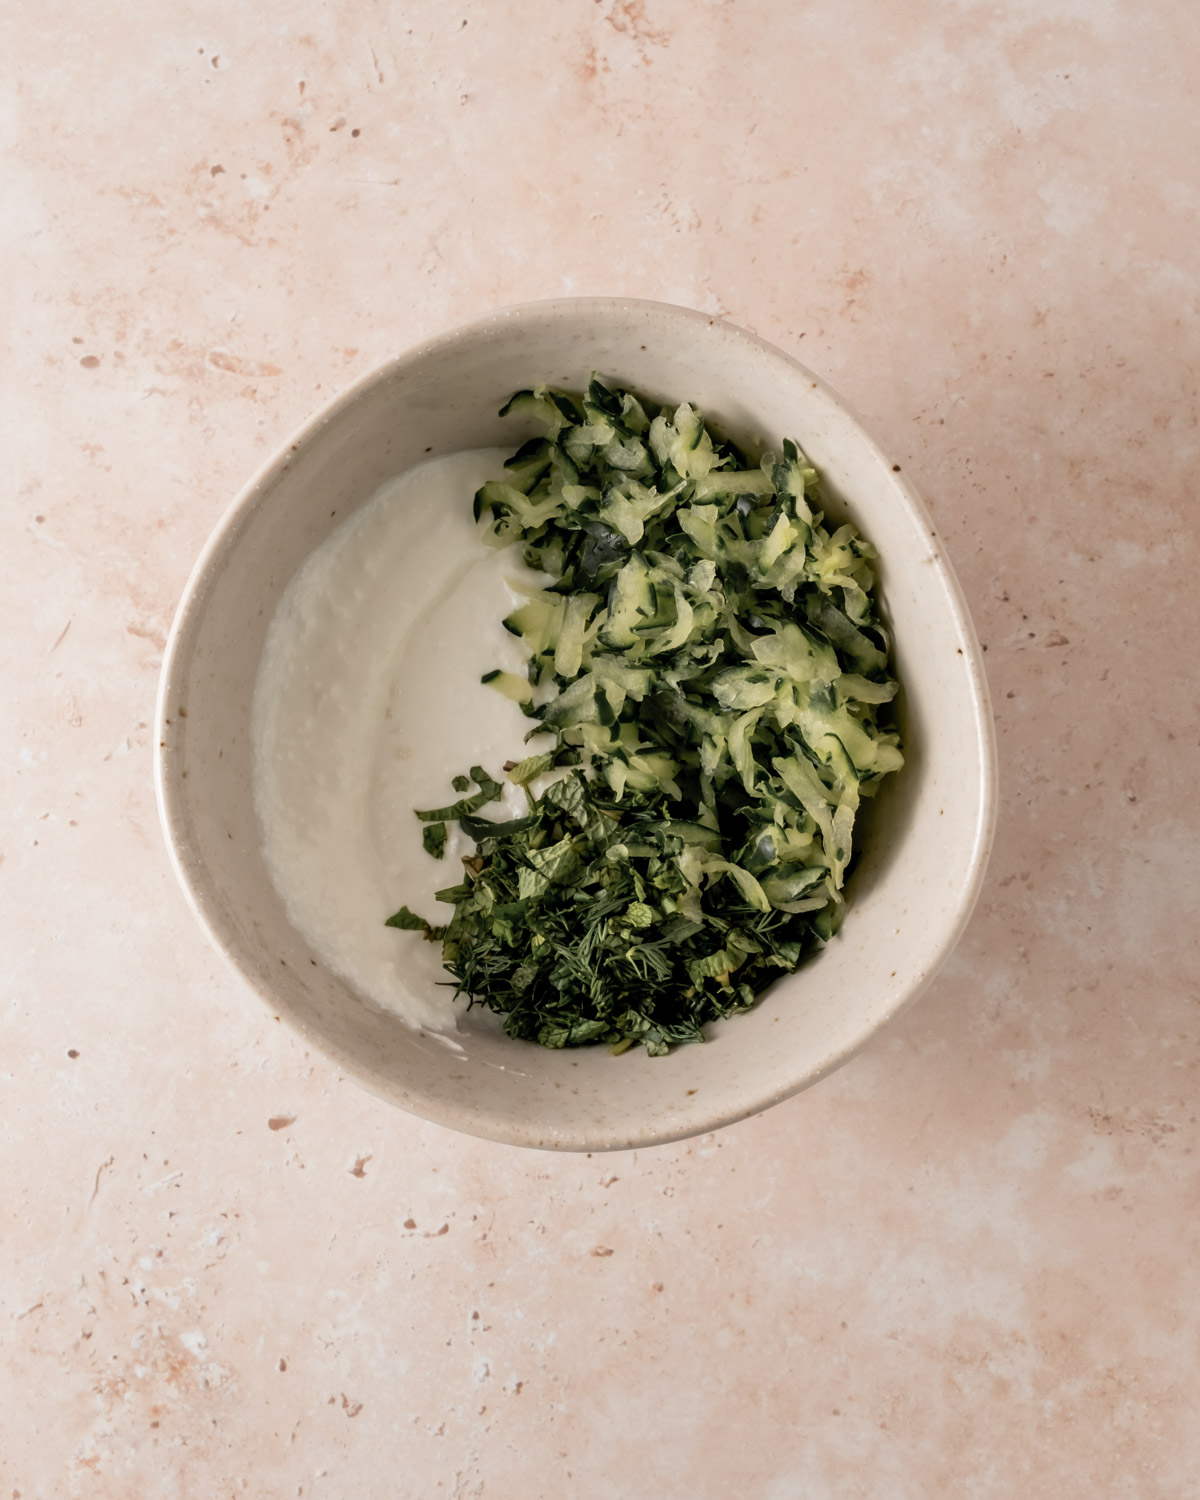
(924, 849)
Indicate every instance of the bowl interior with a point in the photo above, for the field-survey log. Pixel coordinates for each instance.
(924, 845)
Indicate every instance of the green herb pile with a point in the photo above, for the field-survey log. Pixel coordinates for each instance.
(707, 663)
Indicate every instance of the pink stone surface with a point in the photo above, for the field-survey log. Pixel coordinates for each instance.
(966, 1265)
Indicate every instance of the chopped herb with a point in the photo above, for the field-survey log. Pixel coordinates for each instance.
(521, 772)
(489, 791)
(487, 786)
(709, 662)
(433, 836)
(410, 922)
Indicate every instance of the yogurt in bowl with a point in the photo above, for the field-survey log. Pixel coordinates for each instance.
(367, 691)
(306, 929)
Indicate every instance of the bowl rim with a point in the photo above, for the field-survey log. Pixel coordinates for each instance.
(172, 804)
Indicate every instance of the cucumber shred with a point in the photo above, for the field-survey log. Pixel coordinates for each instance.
(709, 672)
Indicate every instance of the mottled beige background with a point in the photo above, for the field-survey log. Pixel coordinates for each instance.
(965, 1266)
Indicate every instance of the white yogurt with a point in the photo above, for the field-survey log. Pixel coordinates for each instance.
(368, 701)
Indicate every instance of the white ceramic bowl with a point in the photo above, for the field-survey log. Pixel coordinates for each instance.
(924, 849)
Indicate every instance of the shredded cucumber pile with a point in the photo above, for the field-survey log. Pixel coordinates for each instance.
(707, 663)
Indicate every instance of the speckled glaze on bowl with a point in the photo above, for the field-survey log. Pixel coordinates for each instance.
(925, 845)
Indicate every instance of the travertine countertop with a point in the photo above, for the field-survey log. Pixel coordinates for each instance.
(965, 1266)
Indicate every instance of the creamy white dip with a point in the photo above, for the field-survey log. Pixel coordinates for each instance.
(367, 702)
